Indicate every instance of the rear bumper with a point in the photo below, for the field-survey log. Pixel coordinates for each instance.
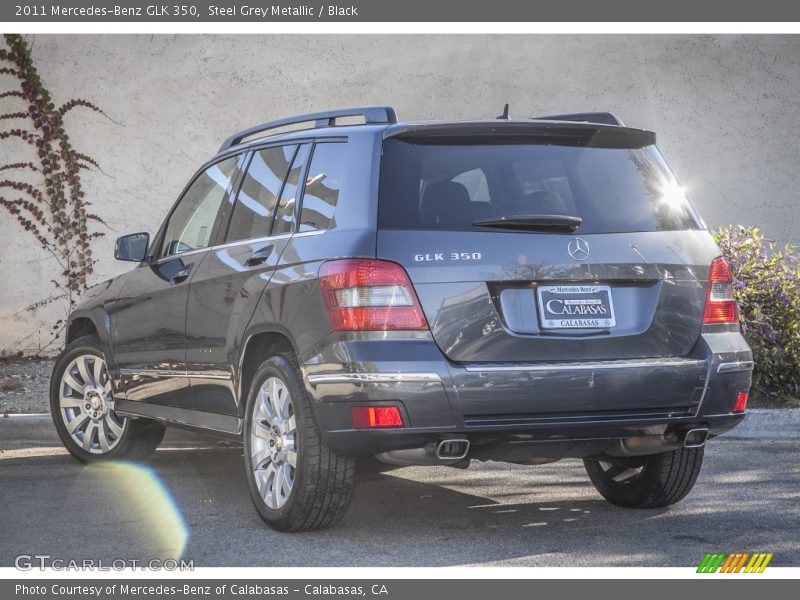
(556, 408)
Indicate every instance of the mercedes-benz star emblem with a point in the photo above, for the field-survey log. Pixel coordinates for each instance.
(578, 248)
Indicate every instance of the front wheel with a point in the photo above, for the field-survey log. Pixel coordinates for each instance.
(646, 481)
(296, 482)
(82, 407)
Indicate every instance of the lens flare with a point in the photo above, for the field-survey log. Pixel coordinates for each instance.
(149, 501)
(672, 197)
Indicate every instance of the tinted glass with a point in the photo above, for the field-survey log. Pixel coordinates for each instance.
(284, 219)
(192, 221)
(258, 195)
(324, 183)
(434, 186)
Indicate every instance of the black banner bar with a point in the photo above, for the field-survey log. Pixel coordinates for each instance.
(260, 11)
(390, 589)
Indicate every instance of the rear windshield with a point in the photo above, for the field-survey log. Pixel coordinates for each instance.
(613, 190)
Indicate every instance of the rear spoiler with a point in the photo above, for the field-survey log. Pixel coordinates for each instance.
(535, 131)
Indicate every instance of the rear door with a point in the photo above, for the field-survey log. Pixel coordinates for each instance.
(227, 286)
(627, 284)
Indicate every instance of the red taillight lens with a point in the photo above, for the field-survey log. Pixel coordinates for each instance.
(371, 417)
(369, 295)
(741, 402)
(720, 305)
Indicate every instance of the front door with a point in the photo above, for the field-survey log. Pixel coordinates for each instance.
(149, 318)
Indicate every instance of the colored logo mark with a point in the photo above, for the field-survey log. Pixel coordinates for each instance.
(740, 562)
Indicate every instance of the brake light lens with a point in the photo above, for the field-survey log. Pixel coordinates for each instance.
(741, 402)
(720, 304)
(369, 295)
(373, 417)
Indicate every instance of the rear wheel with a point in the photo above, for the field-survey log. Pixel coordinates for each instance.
(296, 482)
(646, 481)
(82, 407)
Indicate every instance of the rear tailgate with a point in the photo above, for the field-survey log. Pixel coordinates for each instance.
(542, 307)
(479, 292)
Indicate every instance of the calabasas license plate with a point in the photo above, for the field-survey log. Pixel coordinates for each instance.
(576, 307)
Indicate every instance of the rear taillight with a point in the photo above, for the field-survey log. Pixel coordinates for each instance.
(741, 402)
(375, 417)
(720, 305)
(369, 295)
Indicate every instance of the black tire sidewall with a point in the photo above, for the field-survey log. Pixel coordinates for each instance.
(647, 489)
(278, 366)
(628, 494)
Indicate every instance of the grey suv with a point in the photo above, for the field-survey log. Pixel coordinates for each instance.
(433, 293)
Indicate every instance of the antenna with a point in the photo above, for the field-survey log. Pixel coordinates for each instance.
(505, 116)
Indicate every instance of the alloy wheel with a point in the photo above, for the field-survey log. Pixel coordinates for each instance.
(87, 405)
(273, 443)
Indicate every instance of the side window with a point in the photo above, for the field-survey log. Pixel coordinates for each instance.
(258, 195)
(324, 183)
(190, 224)
(284, 219)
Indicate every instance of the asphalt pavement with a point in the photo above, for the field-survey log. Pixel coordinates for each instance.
(193, 496)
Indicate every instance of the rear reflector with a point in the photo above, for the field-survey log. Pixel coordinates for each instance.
(369, 295)
(741, 402)
(372, 417)
(720, 305)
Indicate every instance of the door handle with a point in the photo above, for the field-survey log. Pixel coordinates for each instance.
(182, 274)
(259, 257)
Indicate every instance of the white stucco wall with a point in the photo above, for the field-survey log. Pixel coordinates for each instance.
(726, 109)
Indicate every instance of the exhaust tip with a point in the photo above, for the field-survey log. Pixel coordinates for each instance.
(695, 438)
(452, 449)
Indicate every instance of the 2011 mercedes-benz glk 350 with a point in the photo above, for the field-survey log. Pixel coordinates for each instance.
(424, 293)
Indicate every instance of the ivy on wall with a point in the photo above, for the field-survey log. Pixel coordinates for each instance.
(53, 211)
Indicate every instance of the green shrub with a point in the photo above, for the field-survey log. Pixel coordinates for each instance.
(766, 283)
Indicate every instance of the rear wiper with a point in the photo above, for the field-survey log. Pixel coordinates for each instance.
(564, 223)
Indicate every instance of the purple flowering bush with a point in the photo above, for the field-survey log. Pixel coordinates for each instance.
(766, 283)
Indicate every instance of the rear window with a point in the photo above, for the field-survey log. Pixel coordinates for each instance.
(613, 190)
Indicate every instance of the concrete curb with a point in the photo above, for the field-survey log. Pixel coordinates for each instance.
(38, 429)
(766, 423)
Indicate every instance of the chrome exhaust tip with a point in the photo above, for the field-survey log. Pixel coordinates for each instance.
(452, 449)
(695, 438)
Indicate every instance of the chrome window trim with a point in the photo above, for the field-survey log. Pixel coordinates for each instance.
(264, 239)
(255, 240)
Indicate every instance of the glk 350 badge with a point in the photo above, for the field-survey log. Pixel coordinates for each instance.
(447, 256)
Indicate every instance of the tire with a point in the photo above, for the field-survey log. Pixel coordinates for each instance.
(81, 401)
(280, 429)
(646, 481)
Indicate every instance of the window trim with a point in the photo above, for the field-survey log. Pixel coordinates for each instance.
(246, 154)
(228, 216)
(302, 195)
(301, 190)
(158, 240)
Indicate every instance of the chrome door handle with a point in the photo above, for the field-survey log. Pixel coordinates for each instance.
(259, 257)
(181, 275)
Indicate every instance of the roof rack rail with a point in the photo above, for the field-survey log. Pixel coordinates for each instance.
(371, 114)
(603, 118)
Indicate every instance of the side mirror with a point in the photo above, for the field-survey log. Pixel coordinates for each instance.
(132, 247)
